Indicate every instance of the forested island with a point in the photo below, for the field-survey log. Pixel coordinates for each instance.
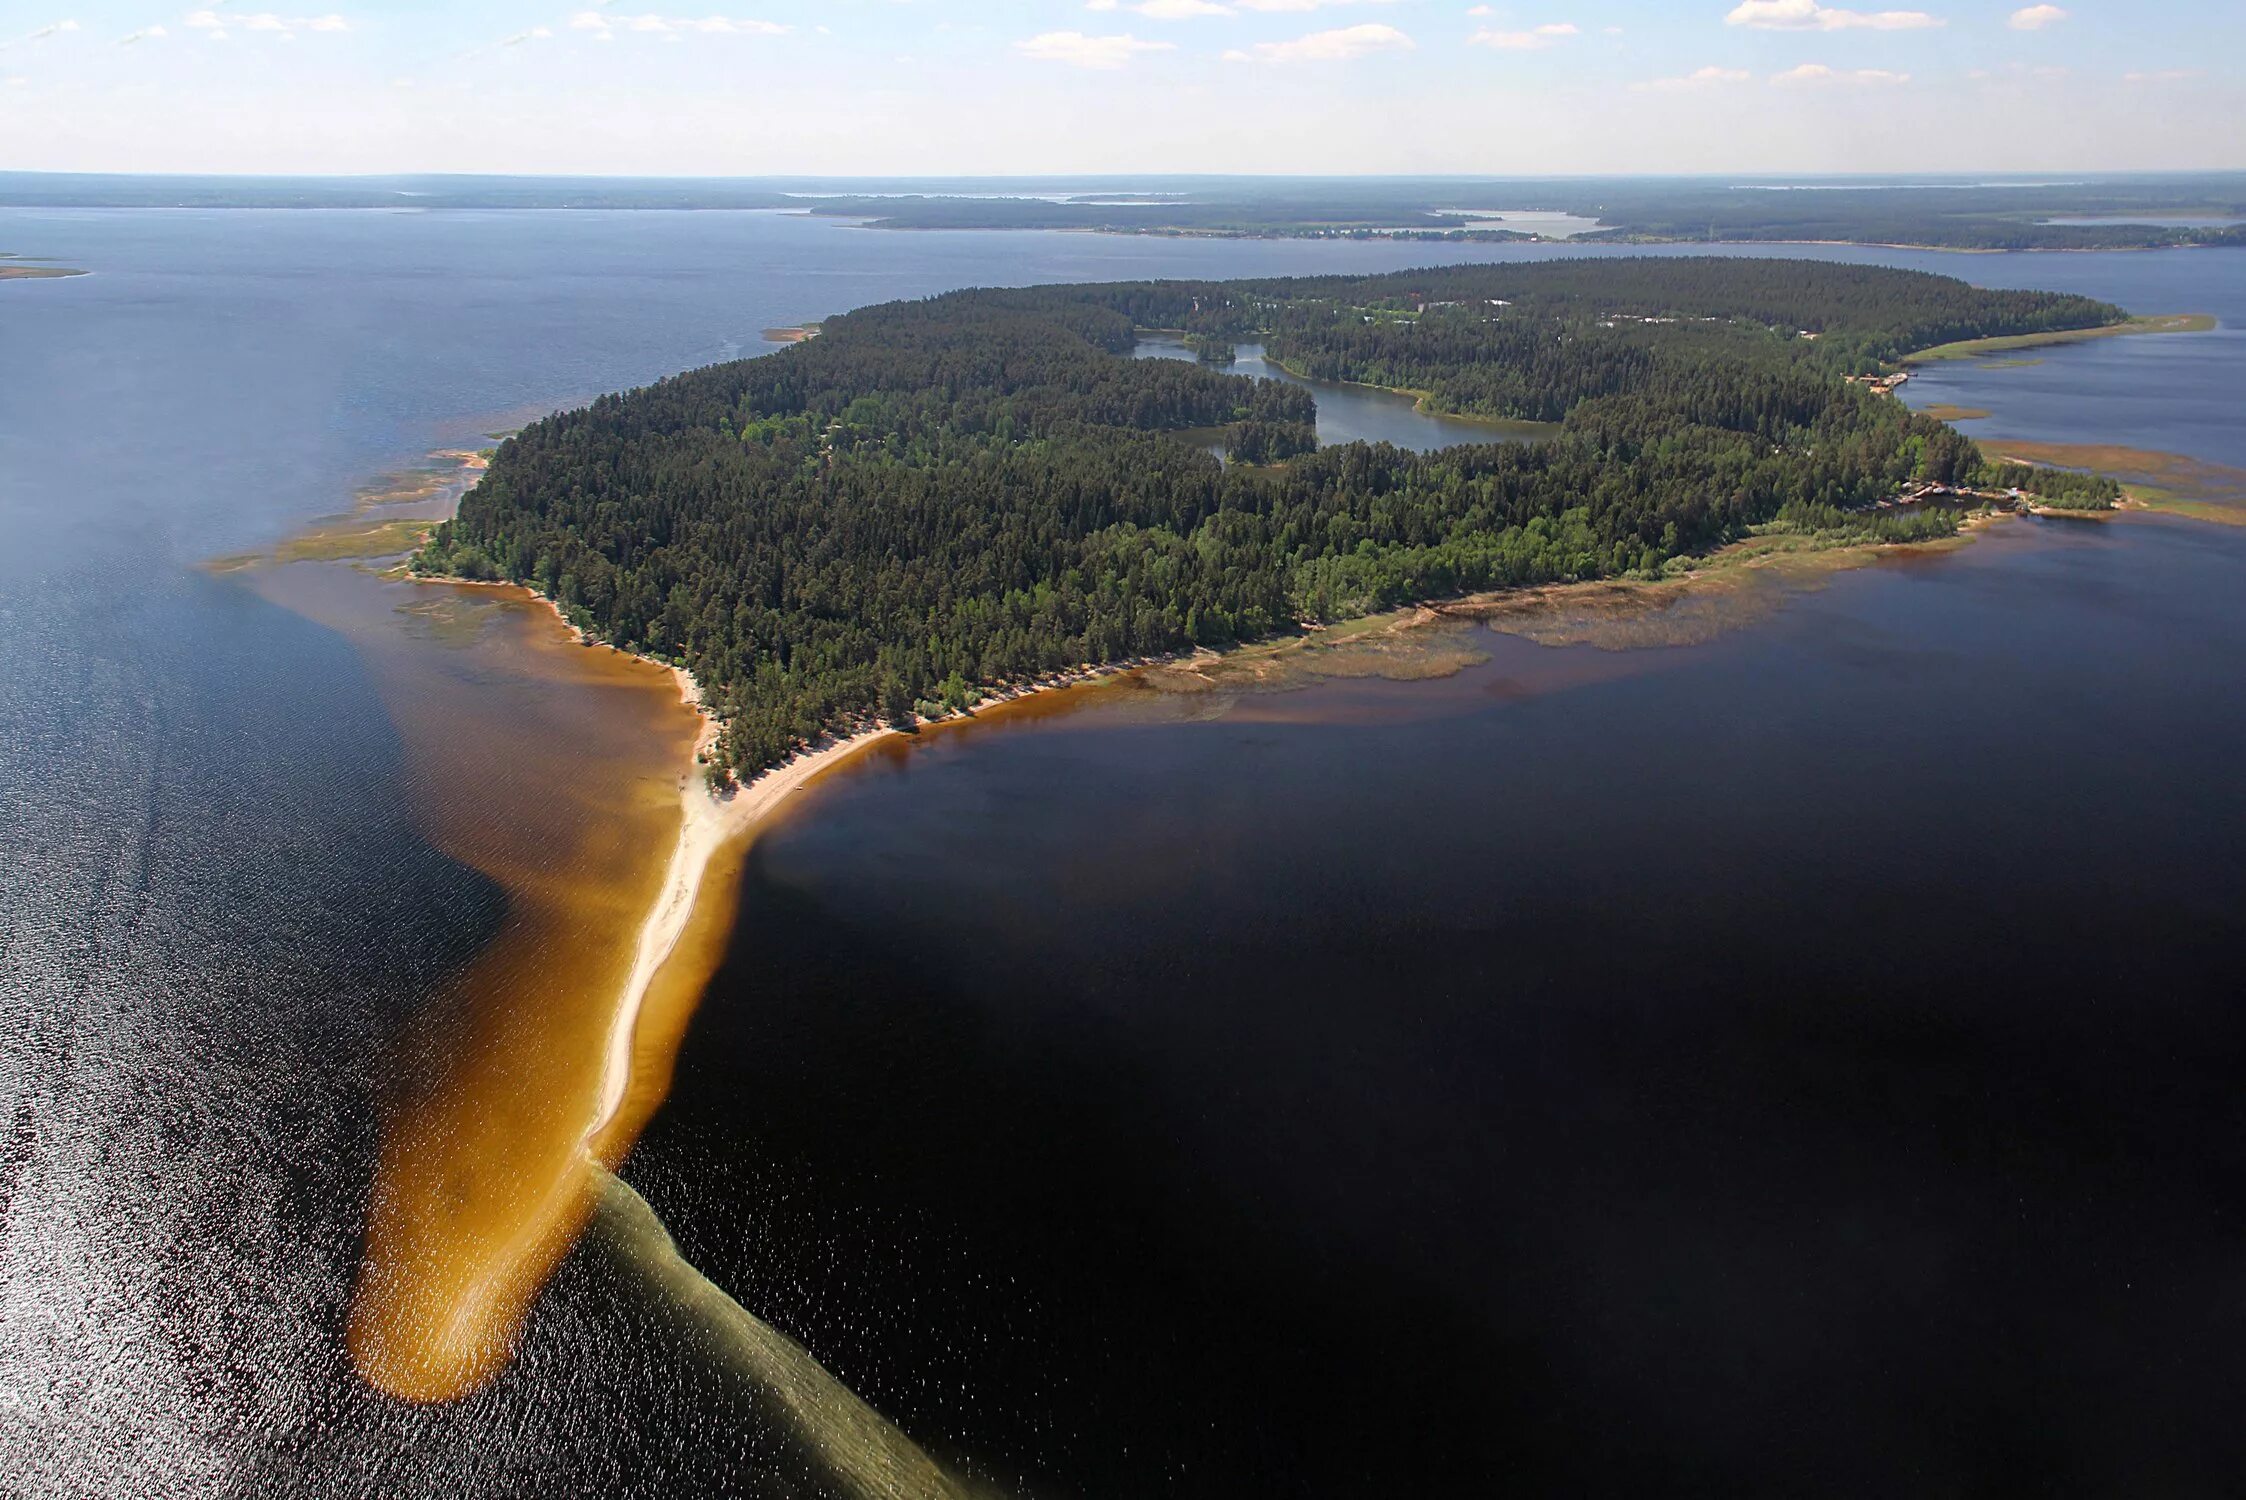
(981, 488)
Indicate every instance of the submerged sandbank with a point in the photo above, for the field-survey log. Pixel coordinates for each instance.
(557, 772)
(569, 775)
(844, 1446)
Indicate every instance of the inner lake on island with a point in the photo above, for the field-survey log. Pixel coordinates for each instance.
(1503, 1063)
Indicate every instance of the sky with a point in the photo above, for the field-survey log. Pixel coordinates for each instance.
(899, 87)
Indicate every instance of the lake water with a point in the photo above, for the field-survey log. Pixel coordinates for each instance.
(1550, 223)
(1796, 1061)
(1358, 413)
(1800, 1063)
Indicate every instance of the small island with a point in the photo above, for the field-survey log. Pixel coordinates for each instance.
(16, 268)
(938, 499)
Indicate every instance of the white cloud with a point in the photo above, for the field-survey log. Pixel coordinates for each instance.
(1080, 51)
(2049, 72)
(1164, 10)
(738, 26)
(2164, 75)
(1480, 10)
(16, 81)
(52, 28)
(2036, 17)
(145, 34)
(535, 34)
(1523, 41)
(1699, 78)
(1808, 15)
(265, 21)
(671, 28)
(1301, 5)
(1328, 46)
(1818, 73)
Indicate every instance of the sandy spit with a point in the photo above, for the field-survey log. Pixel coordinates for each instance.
(708, 822)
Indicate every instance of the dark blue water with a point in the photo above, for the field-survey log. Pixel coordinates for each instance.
(1805, 1063)
(218, 913)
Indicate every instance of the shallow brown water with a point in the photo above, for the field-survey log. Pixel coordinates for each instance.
(554, 769)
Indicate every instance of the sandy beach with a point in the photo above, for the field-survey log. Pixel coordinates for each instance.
(708, 823)
(715, 828)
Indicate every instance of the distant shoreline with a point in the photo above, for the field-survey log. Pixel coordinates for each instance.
(1614, 238)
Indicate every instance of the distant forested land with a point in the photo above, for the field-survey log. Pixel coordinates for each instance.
(1931, 212)
(1949, 212)
(983, 487)
(1939, 215)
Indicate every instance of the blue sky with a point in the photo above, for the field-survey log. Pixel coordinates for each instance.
(997, 86)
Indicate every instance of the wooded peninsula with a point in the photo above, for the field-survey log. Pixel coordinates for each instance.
(982, 488)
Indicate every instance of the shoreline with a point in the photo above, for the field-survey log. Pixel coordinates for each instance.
(711, 825)
(715, 827)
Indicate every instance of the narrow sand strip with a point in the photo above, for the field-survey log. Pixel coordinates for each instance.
(707, 823)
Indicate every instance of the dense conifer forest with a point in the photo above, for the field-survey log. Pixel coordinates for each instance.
(984, 487)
